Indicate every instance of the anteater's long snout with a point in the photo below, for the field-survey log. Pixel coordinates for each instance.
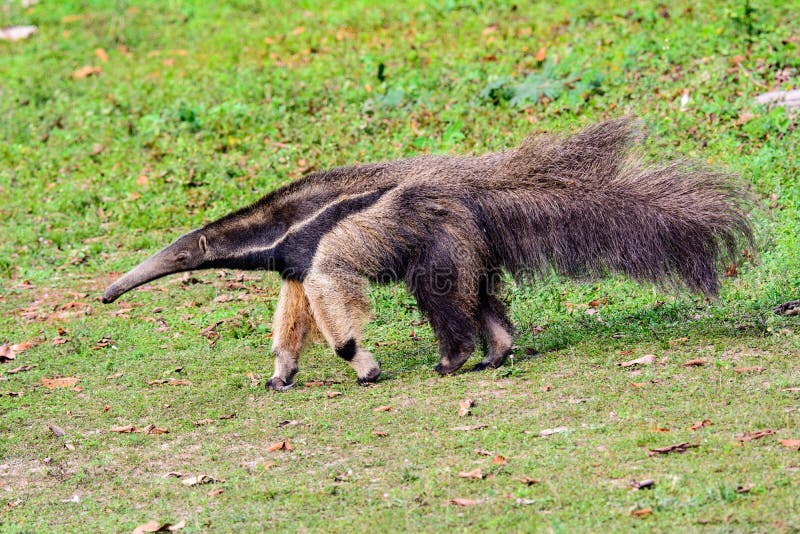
(183, 255)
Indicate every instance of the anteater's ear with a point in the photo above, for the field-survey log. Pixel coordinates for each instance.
(203, 244)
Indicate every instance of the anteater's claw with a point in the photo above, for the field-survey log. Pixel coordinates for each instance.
(276, 383)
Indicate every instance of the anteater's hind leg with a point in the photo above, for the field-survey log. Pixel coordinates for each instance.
(497, 330)
(290, 327)
(449, 300)
(339, 304)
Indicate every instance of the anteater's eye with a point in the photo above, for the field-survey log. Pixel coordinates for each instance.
(182, 257)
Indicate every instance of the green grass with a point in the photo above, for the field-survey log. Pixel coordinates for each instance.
(196, 114)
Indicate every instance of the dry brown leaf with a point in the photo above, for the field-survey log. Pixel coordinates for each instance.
(60, 382)
(215, 492)
(475, 474)
(644, 484)
(57, 430)
(288, 422)
(528, 481)
(791, 443)
(639, 512)
(332, 394)
(227, 416)
(697, 362)
(756, 369)
(755, 434)
(458, 501)
(679, 448)
(745, 489)
(546, 388)
(13, 393)
(700, 424)
(204, 422)
(59, 340)
(280, 446)
(380, 433)
(86, 71)
(499, 460)
(793, 390)
(468, 428)
(659, 429)
(647, 359)
(16, 33)
(126, 429)
(199, 480)
(171, 382)
(464, 407)
(540, 55)
(153, 429)
(157, 526)
(385, 408)
(114, 376)
(20, 369)
(550, 431)
(101, 54)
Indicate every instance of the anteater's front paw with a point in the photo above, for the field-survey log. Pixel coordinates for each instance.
(371, 377)
(480, 366)
(445, 370)
(278, 384)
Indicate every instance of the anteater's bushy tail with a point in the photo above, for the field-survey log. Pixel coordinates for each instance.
(587, 205)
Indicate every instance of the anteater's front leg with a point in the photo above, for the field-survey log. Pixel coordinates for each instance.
(290, 326)
(339, 304)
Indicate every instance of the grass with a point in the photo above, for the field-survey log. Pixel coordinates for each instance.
(201, 108)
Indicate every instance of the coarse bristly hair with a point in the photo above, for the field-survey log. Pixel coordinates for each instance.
(448, 226)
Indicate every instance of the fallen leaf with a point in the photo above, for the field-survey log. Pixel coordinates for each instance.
(546, 388)
(791, 443)
(468, 428)
(647, 359)
(499, 460)
(679, 448)
(385, 408)
(57, 430)
(280, 446)
(16, 33)
(20, 369)
(153, 429)
(332, 394)
(550, 431)
(59, 340)
(288, 422)
(65, 382)
(458, 501)
(101, 54)
(475, 474)
(644, 484)
(126, 429)
(755, 434)
(639, 512)
(171, 382)
(269, 465)
(215, 492)
(13, 393)
(73, 499)
(659, 429)
(697, 362)
(790, 390)
(756, 369)
(380, 433)
(86, 71)
(199, 480)
(700, 424)
(203, 422)
(528, 481)
(157, 526)
(540, 55)
(464, 407)
(745, 489)
(482, 452)
(227, 416)
(114, 376)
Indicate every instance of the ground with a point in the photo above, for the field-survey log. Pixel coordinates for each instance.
(195, 109)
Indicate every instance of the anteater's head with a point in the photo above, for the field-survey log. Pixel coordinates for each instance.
(190, 251)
